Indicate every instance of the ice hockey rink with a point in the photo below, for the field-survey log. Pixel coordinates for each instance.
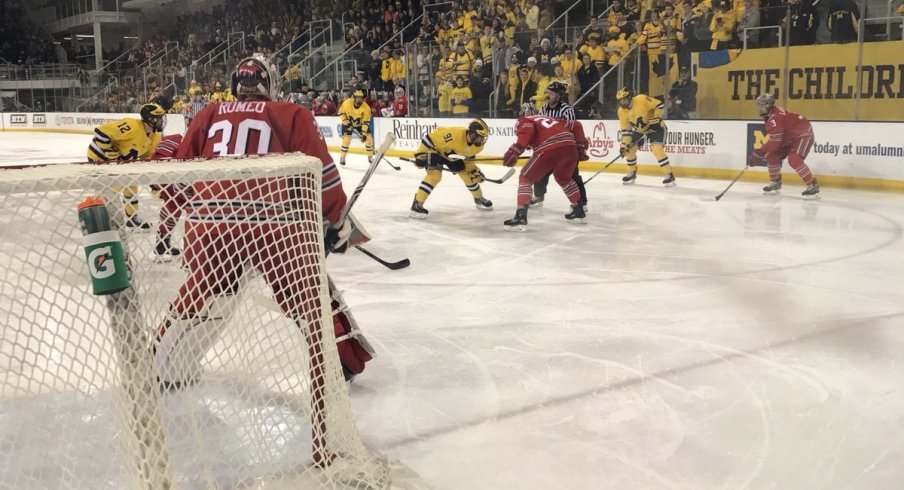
(673, 342)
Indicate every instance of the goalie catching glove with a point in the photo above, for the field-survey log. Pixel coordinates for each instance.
(756, 159)
(512, 154)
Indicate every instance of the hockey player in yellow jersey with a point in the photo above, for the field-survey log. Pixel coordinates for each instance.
(435, 153)
(639, 116)
(354, 114)
(129, 139)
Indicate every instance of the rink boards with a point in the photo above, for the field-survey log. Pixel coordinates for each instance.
(846, 154)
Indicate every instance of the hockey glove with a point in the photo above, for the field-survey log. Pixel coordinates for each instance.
(512, 154)
(582, 153)
(476, 175)
(420, 160)
(756, 159)
(627, 141)
(336, 237)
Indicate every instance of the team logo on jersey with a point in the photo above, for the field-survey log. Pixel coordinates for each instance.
(756, 137)
(600, 142)
(100, 262)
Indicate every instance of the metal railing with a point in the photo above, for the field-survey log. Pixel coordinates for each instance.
(104, 92)
(564, 15)
(53, 71)
(618, 69)
(747, 30)
(338, 60)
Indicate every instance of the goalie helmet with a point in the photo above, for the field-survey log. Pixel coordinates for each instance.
(764, 104)
(479, 132)
(154, 116)
(254, 77)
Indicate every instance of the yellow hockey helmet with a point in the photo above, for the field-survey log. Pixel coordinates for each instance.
(479, 132)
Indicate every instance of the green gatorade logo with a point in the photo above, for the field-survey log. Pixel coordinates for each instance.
(101, 263)
(106, 262)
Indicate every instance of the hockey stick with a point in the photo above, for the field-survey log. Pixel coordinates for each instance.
(613, 161)
(389, 265)
(500, 180)
(384, 147)
(603, 169)
(732, 182)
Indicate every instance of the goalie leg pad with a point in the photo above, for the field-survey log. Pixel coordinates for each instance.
(354, 349)
(183, 342)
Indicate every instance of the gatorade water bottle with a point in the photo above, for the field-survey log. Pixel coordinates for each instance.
(106, 262)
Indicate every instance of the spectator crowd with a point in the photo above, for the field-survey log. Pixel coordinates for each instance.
(460, 59)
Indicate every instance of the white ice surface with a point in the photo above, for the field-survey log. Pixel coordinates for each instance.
(673, 342)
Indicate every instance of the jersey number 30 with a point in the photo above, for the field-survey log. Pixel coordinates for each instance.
(245, 127)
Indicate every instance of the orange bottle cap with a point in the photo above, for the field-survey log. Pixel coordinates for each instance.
(90, 201)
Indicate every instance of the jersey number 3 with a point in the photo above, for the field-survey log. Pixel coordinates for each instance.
(225, 129)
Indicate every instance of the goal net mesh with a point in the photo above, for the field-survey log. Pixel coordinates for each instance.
(216, 369)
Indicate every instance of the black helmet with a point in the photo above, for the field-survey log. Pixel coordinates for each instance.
(154, 116)
(557, 87)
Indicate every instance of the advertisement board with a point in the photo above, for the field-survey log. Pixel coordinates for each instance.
(822, 81)
(852, 154)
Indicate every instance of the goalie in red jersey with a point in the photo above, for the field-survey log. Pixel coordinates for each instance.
(791, 137)
(235, 226)
(558, 146)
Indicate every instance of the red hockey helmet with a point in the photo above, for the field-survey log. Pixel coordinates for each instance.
(255, 77)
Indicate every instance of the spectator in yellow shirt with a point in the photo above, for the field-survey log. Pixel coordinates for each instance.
(595, 51)
(570, 64)
(398, 65)
(443, 91)
(722, 26)
(460, 97)
(616, 47)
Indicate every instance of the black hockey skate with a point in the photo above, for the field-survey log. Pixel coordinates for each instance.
(669, 181)
(577, 214)
(812, 190)
(418, 211)
(630, 178)
(774, 187)
(342, 161)
(536, 202)
(518, 223)
(483, 203)
(165, 251)
(135, 223)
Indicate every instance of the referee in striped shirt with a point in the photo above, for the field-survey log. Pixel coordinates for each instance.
(193, 108)
(557, 108)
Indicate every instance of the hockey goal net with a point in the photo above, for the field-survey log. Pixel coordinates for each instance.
(82, 399)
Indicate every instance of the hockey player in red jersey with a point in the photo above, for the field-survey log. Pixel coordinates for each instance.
(174, 197)
(234, 226)
(558, 146)
(791, 137)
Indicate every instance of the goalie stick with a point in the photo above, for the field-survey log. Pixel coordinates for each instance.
(733, 182)
(500, 180)
(401, 264)
(384, 147)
